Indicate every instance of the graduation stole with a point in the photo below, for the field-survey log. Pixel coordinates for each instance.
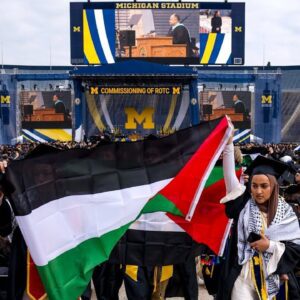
(34, 287)
(283, 292)
(258, 276)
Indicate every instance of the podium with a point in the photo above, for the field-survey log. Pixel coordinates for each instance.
(159, 46)
(220, 112)
(45, 114)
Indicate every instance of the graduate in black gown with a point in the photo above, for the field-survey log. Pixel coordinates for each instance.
(180, 33)
(264, 247)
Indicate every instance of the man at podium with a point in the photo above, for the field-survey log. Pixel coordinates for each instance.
(180, 33)
(58, 105)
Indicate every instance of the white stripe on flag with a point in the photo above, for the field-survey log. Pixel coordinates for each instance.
(103, 36)
(208, 170)
(157, 221)
(72, 220)
(225, 50)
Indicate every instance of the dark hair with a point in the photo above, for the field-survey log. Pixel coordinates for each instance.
(177, 17)
(216, 12)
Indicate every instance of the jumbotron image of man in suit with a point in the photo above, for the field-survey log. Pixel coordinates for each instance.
(179, 33)
(58, 105)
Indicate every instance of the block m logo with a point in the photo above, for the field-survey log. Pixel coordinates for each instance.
(176, 90)
(94, 90)
(5, 99)
(266, 99)
(76, 29)
(238, 29)
(134, 118)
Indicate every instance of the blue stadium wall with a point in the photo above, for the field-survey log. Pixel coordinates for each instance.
(275, 95)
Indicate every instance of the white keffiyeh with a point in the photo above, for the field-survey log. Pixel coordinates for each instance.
(284, 227)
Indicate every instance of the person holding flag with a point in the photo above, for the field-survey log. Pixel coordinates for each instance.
(264, 247)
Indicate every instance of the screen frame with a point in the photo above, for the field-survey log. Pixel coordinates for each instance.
(238, 38)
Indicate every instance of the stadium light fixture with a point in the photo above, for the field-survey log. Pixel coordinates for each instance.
(251, 88)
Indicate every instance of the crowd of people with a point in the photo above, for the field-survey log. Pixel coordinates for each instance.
(236, 277)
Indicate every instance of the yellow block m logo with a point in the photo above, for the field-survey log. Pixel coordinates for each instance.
(176, 90)
(266, 99)
(134, 118)
(238, 29)
(76, 28)
(5, 99)
(94, 90)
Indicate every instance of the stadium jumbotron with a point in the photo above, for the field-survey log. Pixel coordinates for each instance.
(149, 150)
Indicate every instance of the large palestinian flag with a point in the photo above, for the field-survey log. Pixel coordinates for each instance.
(74, 206)
(163, 239)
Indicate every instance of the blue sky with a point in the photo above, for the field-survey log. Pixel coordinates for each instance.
(30, 28)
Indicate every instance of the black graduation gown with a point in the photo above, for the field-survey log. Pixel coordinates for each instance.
(216, 22)
(239, 107)
(60, 107)
(181, 35)
(231, 269)
(17, 262)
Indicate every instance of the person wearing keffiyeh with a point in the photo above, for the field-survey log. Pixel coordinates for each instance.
(261, 269)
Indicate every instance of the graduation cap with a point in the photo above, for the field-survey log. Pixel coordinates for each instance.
(263, 165)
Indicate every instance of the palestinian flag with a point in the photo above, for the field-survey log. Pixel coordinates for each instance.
(163, 239)
(73, 206)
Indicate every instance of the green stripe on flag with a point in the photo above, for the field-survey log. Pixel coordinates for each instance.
(67, 276)
(159, 201)
(215, 175)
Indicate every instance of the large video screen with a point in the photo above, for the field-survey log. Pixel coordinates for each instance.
(235, 104)
(165, 32)
(45, 109)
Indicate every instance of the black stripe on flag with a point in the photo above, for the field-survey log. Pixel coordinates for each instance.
(154, 248)
(45, 176)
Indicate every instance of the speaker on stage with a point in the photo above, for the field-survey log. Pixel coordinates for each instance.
(127, 38)
(28, 110)
(207, 109)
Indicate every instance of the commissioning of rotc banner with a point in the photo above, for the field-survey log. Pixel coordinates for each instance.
(137, 109)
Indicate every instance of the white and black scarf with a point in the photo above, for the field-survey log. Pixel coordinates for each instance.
(284, 227)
